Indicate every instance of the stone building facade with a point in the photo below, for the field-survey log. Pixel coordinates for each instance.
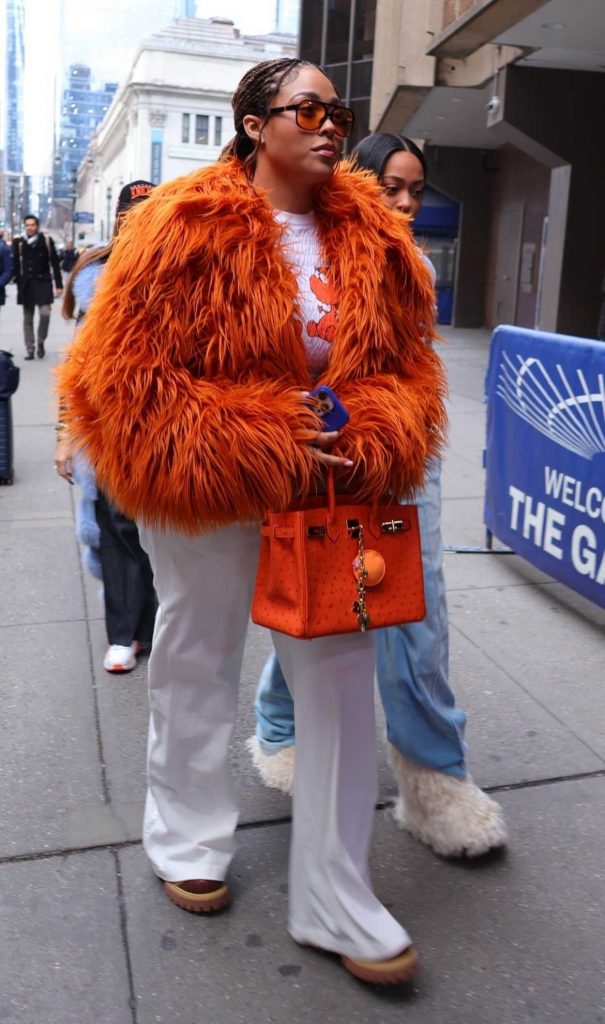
(173, 112)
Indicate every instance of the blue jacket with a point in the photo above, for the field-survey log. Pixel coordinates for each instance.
(6, 270)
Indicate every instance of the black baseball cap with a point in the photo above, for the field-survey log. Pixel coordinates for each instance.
(132, 193)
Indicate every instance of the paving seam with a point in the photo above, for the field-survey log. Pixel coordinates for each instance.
(89, 644)
(495, 586)
(124, 929)
(45, 622)
(383, 805)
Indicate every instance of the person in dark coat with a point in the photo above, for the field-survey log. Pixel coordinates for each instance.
(69, 258)
(35, 265)
(6, 268)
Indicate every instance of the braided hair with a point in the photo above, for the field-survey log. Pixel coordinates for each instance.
(252, 96)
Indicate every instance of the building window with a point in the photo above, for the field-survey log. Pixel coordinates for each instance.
(339, 26)
(201, 129)
(185, 122)
(218, 131)
(311, 30)
(365, 30)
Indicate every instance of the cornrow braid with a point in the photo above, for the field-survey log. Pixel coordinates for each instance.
(252, 96)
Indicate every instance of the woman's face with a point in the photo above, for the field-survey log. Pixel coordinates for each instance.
(403, 182)
(307, 157)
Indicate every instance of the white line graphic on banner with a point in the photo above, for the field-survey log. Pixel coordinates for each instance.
(573, 419)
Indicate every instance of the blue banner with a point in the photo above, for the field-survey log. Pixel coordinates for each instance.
(545, 454)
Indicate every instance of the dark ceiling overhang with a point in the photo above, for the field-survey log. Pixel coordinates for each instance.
(481, 25)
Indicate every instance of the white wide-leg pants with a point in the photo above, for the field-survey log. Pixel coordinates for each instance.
(204, 587)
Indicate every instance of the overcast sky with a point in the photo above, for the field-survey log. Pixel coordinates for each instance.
(90, 32)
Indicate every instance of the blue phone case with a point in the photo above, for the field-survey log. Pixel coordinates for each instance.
(333, 413)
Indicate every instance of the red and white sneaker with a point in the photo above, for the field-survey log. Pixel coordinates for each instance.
(121, 659)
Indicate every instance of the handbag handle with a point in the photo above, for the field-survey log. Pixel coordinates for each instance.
(332, 525)
(373, 526)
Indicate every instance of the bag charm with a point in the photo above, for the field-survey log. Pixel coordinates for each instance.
(359, 568)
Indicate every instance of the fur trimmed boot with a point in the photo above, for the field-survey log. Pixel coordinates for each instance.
(276, 770)
(451, 815)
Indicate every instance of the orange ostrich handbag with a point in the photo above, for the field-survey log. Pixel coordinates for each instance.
(331, 566)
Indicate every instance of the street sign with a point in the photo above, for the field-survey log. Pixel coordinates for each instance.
(82, 217)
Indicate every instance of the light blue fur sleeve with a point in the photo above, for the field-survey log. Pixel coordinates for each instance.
(85, 285)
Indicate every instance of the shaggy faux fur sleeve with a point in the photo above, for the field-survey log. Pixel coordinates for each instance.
(392, 380)
(173, 445)
(395, 425)
(397, 419)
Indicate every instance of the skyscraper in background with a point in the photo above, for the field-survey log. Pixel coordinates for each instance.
(14, 185)
(15, 65)
(97, 49)
(82, 109)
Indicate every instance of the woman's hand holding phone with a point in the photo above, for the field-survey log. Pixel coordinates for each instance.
(324, 439)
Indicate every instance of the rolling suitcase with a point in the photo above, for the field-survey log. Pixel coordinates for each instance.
(6, 442)
(9, 382)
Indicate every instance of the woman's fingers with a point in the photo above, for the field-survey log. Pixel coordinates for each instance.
(330, 460)
(63, 468)
(322, 440)
(326, 437)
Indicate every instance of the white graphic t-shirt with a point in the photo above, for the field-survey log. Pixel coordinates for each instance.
(316, 297)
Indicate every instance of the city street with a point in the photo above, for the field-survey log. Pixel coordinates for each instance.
(87, 934)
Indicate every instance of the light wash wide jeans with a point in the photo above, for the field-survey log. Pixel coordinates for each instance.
(423, 722)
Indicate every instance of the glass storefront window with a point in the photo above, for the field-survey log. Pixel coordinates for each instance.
(339, 20)
(362, 121)
(365, 24)
(361, 78)
(311, 29)
(337, 73)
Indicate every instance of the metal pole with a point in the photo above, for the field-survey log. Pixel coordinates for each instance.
(324, 34)
(108, 197)
(350, 51)
(74, 196)
(12, 208)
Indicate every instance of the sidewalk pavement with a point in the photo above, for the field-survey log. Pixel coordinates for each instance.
(87, 934)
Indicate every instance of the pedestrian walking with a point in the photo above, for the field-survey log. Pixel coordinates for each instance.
(128, 592)
(6, 268)
(438, 801)
(192, 404)
(38, 276)
(69, 258)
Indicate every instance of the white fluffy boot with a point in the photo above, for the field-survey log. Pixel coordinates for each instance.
(452, 816)
(276, 770)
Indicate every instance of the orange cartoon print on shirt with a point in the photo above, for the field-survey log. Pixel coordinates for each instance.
(327, 299)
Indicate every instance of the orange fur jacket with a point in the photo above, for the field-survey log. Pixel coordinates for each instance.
(183, 383)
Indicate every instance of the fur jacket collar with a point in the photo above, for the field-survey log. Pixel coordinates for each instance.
(183, 384)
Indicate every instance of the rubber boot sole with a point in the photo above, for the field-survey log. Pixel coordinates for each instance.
(198, 902)
(395, 971)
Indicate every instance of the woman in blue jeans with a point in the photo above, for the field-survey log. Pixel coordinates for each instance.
(438, 801)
